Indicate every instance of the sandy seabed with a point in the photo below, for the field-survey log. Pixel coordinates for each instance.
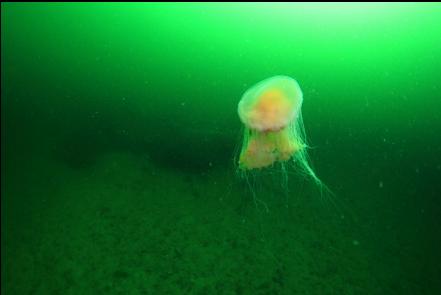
(126, 226)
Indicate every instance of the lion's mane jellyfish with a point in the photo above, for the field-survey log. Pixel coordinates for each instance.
(274, 132)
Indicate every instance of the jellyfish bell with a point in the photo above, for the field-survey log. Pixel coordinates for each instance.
(271, 104)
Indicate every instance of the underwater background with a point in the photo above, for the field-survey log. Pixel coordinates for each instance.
(119, 132)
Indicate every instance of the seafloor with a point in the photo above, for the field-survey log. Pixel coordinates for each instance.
(123, 225)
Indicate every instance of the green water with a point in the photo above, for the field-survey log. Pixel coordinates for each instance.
(119, 128)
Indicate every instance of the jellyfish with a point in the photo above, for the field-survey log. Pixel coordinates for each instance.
(273, 126)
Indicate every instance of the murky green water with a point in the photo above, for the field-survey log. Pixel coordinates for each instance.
(120, 126)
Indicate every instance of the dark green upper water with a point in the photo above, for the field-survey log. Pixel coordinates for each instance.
(119, 127)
